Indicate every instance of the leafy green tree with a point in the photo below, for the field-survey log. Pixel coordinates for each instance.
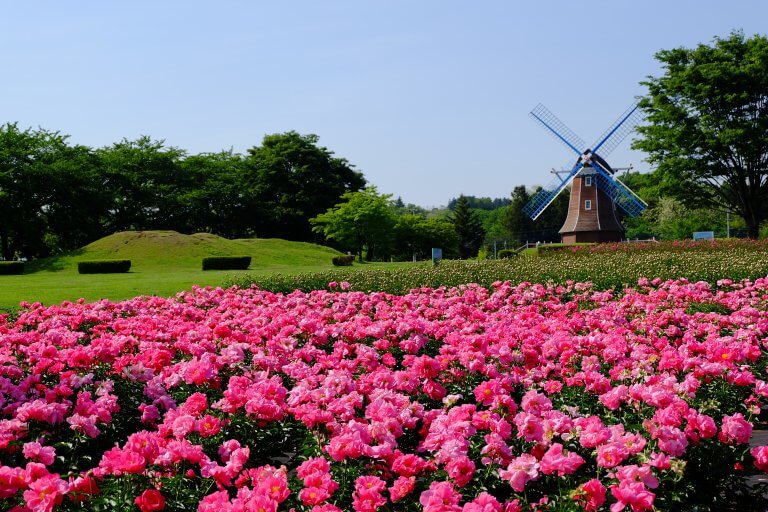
(468, 227)
(363, 222)
(49, 194)
(216, 203)
(518, 224)
(291, 180)
(147, 184)
(708, 126)
(416, 235)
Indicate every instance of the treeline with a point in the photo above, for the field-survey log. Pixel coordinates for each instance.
(56, 197)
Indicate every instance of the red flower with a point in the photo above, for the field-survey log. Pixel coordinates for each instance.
(150, 500)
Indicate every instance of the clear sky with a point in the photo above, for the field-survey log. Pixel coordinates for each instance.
(428, 98)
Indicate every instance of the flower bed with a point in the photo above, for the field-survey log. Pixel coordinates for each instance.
(523, 397)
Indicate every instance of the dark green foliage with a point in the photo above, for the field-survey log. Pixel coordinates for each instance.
(707, 126)
(343, 261)
(103, 266)
(481, 203)
(289, 179)
(363, 222)
(468, 227)
(226, 262)
(11, 268)
(506, 253)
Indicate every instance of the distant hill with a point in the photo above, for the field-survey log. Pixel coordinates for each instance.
(155, 249)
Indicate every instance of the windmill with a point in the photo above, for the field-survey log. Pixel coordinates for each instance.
(596, 190)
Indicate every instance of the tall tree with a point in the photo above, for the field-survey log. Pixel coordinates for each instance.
(147, 184)
(708, 125)
(216, 202)
(415, 236)
(49, 194)
(363, 222)
(517, 222)
(292, 179)
(469, 228)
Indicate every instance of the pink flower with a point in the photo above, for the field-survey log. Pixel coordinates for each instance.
(760, 454)
(735, 430)
(45, 493)
(529, 427)
(632, 494)
(402, 487)
(590, 495)
(38, 452)
(521, 470)
(556, 460)
(313, 495)
(440, 497)
(483, 503)
(611, 455)
(460, 470)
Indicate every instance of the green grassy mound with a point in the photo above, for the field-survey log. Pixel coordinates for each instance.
(162, 263)
(169, 249)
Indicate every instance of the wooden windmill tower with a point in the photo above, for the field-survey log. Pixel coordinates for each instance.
(595, 190)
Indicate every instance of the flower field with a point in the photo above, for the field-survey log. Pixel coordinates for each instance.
(473, 399)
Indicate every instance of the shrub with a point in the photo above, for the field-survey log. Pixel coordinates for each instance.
(103, 266)
(11, 268)
(226, 262)
(343, 261)
(506, 253)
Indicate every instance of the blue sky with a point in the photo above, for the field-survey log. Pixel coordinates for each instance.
(428, 98)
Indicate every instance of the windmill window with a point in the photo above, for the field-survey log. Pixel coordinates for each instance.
(588, 181)
(588, 204)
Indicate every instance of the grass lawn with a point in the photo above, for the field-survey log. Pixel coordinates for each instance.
(162, 263)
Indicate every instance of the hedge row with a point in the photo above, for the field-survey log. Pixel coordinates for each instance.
(11, 268)
(343, 261)
(226, 262)
(103, 266)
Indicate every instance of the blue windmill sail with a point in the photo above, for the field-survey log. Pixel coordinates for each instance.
(545, 196)
(619, 193)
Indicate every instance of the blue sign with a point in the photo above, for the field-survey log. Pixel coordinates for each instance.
(437, 255)
(703, 235)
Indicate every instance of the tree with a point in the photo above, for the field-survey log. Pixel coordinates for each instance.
(518, 223)
(468, 228)
(50, 197)
(416, 235)
(708, 126)
(216, 203)
(147, 184)
(364, 221)
(291, 180)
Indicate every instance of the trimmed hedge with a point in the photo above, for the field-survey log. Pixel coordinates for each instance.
(11, 268)
(103, 266)
(226, 262)
(343, 261)
(506, 253)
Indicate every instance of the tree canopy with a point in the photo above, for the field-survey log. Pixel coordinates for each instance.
(364, 221)
(294, 180)
(708, 126)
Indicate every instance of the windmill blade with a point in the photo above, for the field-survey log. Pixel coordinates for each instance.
(558, 128)
(618, 131)
(618, 192)
(545, 196)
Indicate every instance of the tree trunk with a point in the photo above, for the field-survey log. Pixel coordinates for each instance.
(753, 230)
